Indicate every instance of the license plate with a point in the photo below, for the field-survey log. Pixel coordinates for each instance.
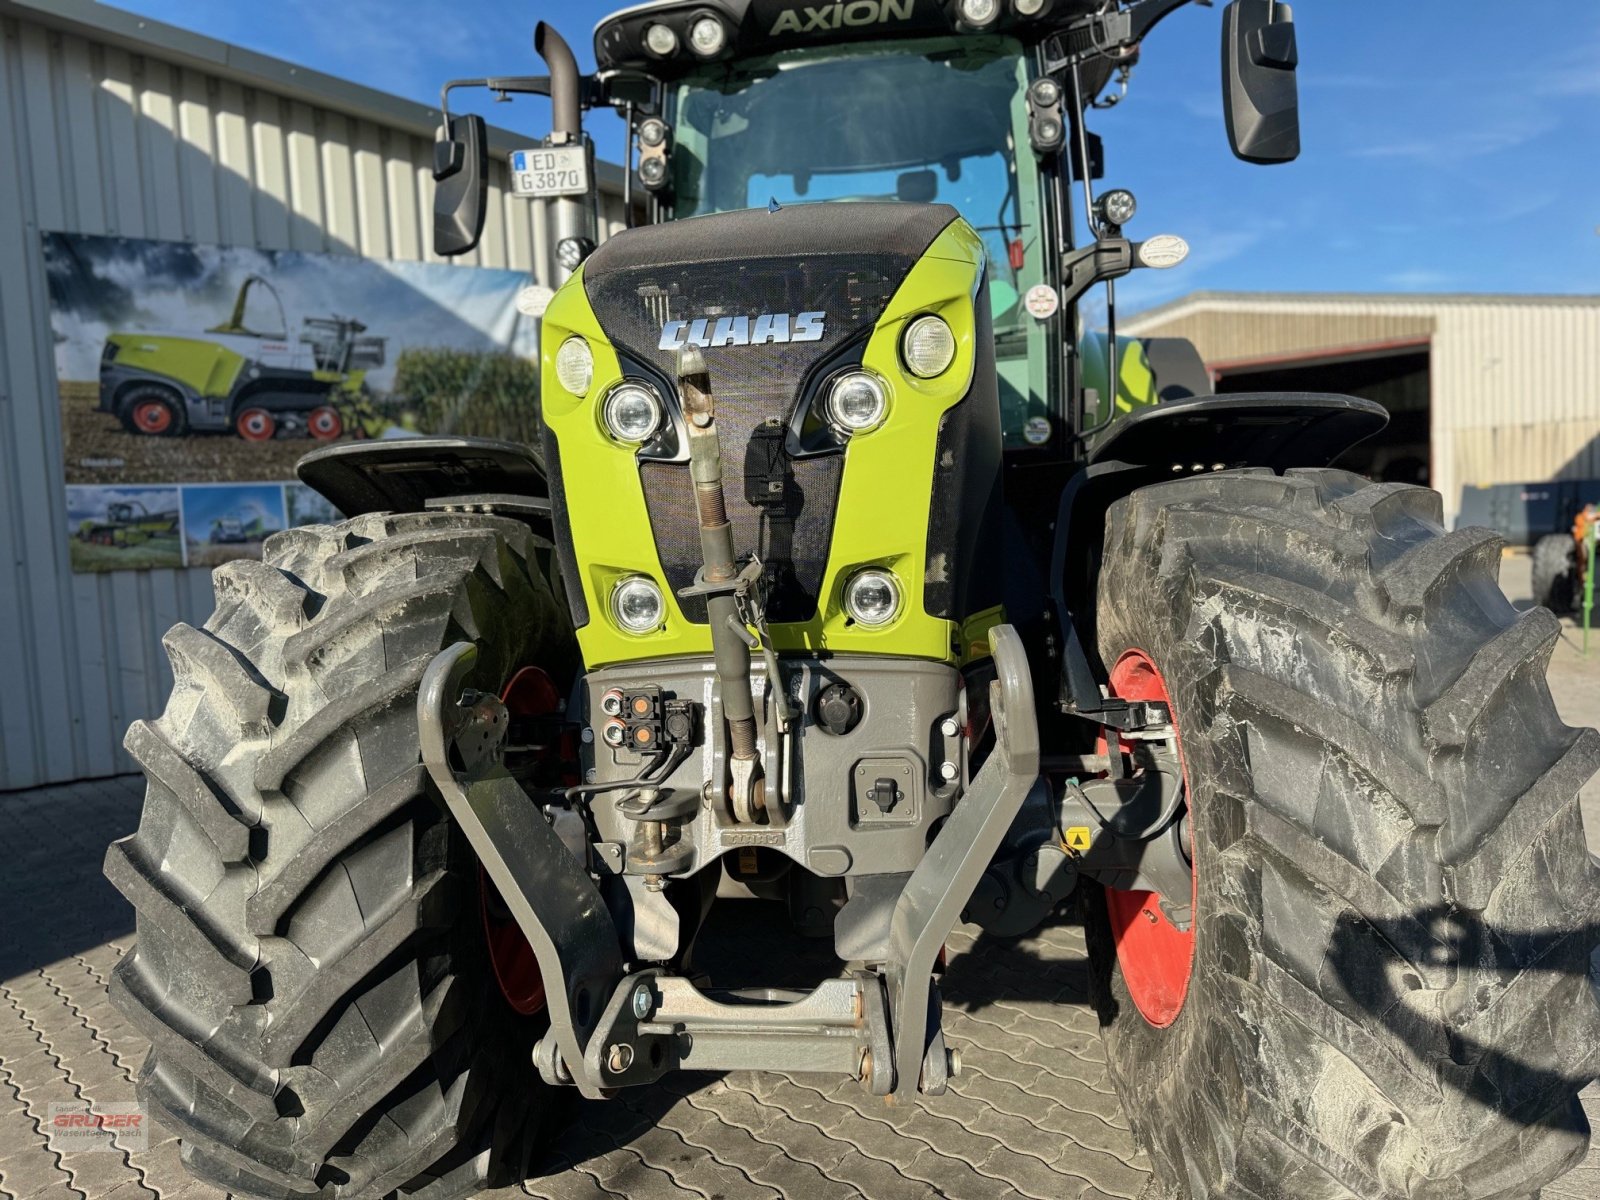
(559, 171)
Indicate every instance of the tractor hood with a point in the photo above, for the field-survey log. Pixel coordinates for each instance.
(776, 301)
(766, 294)
(754, 27)
(782, 304)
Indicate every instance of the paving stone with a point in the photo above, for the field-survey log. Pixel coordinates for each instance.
(34, 1176)
(96, 1172)
(1032, 1114)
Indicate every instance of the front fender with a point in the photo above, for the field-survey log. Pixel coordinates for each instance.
(412, 474)
(1277, 430)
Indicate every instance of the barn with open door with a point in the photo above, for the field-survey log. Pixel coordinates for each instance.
(1481, 389)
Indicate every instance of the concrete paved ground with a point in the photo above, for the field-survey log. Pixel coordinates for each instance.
(1032, 1114)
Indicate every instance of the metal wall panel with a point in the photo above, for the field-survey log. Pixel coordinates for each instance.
(100, 138)
(1515, 380)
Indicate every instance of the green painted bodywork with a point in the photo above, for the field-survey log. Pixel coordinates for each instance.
(884, 493)
(127, 524)
(203, 368)
(1137, 386)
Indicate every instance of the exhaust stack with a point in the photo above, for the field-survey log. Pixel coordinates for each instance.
(720, 582)
(574, 216)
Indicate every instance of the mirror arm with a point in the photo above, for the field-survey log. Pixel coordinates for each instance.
(591, 88)
(1103, 33)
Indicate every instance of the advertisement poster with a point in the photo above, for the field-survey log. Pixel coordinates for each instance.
(192, 378)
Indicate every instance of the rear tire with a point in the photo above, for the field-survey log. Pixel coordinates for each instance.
(1555, 572)
(1390, 997)
(310, 967)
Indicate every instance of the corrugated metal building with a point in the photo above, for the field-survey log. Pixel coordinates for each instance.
(114, 124)
(1482, 389)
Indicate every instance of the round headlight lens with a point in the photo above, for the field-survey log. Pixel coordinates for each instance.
(708, 36)
(570, 252)
(633, 413)
(872, 597)
(653, 131)
(1030, 8)
(575, 366)
(653, 171)
(1045, 92)
(636, 604)
(979, 12)
(929, 346)
(1118, 206)
(857, 402)
(661, 41)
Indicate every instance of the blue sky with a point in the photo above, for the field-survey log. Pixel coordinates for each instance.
(1446, 147)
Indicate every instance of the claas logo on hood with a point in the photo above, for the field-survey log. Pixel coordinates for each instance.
(742, 331)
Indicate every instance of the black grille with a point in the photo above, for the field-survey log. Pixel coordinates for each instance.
(789, 527)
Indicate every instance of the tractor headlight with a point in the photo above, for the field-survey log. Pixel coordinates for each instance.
(653, 171)
(632, 412)
(928, 347)
(636, 604)
(707, 37)
(653, 132)
(872, 597)
(570, 252)
(1118, 206)
(979, 12)
(575, 366)
(857, 402)
(661, 41)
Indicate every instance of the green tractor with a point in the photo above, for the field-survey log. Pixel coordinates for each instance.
(844, 577)
(127, 523)
(257, 384)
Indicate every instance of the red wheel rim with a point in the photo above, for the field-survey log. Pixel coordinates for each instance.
(256, 425)
(516, 969)
(152, 416)
(325, 424)
(529, 694)
(1157, 958)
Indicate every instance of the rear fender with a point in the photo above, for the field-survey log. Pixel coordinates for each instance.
(1276, 430)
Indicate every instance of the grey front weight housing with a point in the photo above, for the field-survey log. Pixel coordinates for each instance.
(609, 1028)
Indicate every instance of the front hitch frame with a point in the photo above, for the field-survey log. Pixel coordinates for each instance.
(553, 899)
(610, 1028)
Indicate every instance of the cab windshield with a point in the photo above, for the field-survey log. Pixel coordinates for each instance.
(930, 122)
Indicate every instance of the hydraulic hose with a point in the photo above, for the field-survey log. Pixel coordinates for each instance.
(729, 644)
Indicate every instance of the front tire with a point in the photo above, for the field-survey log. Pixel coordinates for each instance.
(1390, 995)
(310, 967)
(152, 410)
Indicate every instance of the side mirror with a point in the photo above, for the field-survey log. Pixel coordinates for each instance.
(1259, 96)
(461, 173)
